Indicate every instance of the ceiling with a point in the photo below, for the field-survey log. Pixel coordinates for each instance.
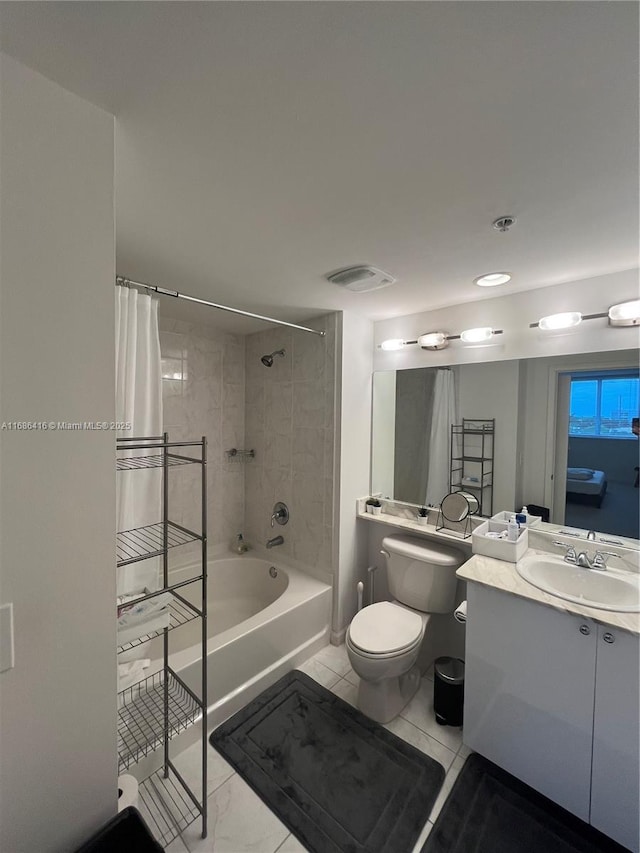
(260, 145)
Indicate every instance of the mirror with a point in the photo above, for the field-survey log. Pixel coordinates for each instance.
(553, 415)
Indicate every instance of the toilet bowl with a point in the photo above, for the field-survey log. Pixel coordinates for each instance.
(383, 640)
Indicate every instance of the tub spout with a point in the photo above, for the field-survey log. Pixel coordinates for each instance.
(277, 540)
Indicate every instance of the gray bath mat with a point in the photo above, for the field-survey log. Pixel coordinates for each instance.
(490, 811)
(339, 781)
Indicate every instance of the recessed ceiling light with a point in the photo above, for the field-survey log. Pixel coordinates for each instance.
(492, 279)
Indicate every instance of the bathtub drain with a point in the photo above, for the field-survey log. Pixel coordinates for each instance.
(273, 572)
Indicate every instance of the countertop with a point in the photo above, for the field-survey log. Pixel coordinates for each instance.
(503, 576)
(412, 525)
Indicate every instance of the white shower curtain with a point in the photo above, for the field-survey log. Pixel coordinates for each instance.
(138, 402)
(444, 414)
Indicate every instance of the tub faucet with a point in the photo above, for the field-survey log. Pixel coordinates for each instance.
(277, 540)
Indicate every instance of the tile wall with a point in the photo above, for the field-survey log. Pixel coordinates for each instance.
(289, 418)
(214, 384)
(203, 392)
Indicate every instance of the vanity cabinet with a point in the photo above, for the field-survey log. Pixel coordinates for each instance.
(553, 698)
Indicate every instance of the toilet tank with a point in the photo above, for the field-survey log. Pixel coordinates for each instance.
(422, 574)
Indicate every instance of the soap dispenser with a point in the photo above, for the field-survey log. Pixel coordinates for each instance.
(239, 545)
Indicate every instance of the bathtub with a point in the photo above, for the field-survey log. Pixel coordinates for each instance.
(263, 620)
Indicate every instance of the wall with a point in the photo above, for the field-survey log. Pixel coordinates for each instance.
(353, 463)
(203, 393)
(491, 391)
(290, 423)
(57, 500)
(618, 457)
(513, 313)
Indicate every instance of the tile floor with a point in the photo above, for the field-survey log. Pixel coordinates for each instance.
(239, 822)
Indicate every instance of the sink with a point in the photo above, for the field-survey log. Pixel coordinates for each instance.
(608, 590)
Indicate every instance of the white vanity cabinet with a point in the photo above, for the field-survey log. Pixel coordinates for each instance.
(551, 699)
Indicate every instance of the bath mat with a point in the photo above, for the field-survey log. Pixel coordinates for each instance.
(490, 811)
(340, 782)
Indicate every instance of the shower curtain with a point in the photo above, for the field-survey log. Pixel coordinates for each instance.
(444, 414)
(138, 402)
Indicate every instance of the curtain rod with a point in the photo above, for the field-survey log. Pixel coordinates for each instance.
(126, 282)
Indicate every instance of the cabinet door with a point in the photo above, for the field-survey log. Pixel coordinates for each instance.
(616, 743)
(529, 683)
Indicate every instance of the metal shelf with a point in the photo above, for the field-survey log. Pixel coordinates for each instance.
(141, 543)
(141, 716)
(166, 806)
(179, 614)
(156, 460)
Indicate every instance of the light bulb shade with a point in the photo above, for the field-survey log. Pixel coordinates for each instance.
(492, 279)
(392, 344)
(433, 340)
(560, 321)
(625, 314)
(476, 336)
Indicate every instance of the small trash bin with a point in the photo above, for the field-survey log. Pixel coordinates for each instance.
(127, 832)
(448, 691)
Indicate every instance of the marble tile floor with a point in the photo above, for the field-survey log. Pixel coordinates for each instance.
(239, 822)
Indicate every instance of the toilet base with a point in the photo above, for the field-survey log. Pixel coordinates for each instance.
(383, 700)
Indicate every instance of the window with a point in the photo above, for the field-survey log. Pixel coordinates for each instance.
(604, 404)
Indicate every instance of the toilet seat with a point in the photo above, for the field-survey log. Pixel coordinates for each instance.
(385, 629)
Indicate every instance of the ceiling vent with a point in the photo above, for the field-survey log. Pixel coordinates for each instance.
(361, 279)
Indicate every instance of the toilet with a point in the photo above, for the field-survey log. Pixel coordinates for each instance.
(384, 639)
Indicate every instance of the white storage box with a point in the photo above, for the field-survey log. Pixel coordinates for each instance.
(499, 549)
(505, 515)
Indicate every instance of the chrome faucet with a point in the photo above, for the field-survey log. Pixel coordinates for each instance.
(585, 561)
(277, 540)
(591, 535)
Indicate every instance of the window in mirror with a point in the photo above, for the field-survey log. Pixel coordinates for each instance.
(604, 404)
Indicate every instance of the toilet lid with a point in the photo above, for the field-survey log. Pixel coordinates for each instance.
(384, 628)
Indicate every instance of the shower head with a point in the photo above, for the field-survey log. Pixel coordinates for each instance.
(267, 360)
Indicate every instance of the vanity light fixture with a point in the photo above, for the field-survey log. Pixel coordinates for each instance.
(554, 322)
(394, 344)
(434, 340)
(440, 340)
(492, 279)
(476, 336)
(625, 313)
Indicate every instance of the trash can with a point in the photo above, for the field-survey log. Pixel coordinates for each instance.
(448, 691)
(127, 832)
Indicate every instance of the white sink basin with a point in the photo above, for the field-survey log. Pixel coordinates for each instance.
(608, 590)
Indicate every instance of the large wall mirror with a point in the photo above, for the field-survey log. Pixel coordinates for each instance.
(565, 437)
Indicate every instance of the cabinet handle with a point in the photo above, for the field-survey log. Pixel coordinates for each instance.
(585, 629)
(608, 637)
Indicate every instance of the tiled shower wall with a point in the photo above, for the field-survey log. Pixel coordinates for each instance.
(289, 419)
(203, 393)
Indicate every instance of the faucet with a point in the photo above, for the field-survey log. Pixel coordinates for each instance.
(280, 513)
(598, 561)
(591, 535)
(277, 540)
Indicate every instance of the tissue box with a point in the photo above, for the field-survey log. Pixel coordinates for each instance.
(499, 549)
(532, 520)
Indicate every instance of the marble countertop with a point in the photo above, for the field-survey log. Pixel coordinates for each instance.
(503, 576)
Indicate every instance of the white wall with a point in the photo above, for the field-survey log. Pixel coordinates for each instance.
(513, 313)
(353, 436)
(57, 498)
(491, 391)
(383, 434)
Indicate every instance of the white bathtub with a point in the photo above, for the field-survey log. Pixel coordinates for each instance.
(259, 627)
